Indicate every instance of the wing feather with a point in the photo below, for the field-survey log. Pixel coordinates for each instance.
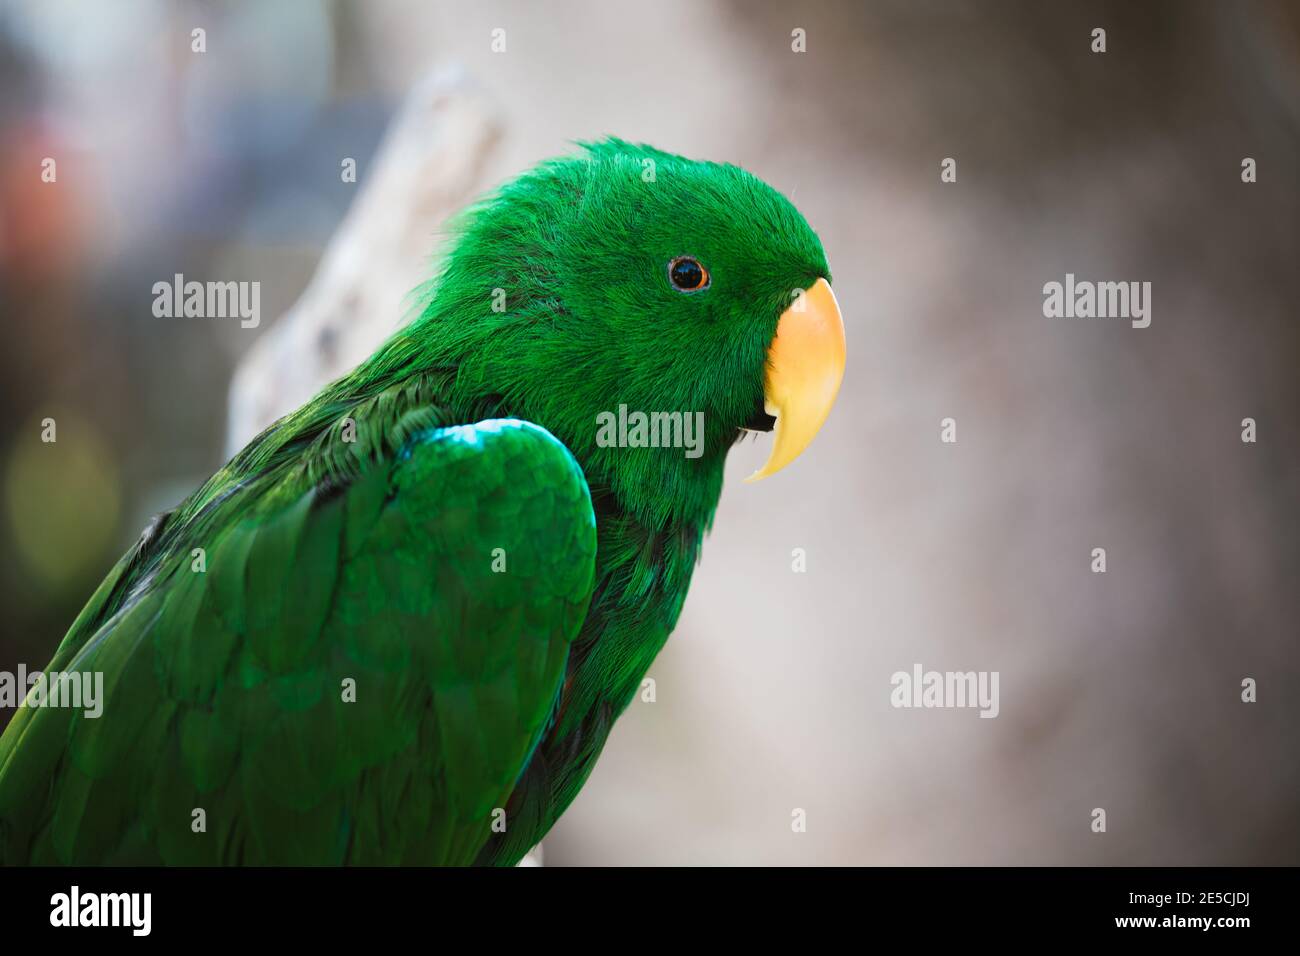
(225, 689)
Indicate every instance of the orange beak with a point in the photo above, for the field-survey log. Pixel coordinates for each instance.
(805, 365)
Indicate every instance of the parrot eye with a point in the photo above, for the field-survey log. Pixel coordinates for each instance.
(687, 275)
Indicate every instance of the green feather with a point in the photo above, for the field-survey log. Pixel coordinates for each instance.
(370, 563)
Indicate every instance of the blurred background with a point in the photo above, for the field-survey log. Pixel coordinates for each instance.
(1118, 690)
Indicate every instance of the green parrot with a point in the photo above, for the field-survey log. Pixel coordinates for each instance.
(399, 625)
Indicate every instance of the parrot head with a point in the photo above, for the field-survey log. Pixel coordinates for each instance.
(626, 280)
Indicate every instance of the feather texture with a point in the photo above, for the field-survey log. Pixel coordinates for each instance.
(354, 539)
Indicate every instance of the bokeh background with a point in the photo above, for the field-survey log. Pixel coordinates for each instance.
(1118, 690)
